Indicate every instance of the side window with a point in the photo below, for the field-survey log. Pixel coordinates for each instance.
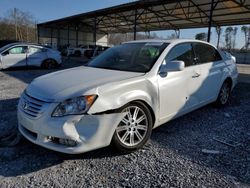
(206, 53)
(33, 50)
(18, 50)
(182, 52)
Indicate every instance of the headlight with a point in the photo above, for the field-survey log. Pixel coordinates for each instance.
(74, 106)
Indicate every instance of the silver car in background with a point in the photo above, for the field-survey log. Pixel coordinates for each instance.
(23, 54)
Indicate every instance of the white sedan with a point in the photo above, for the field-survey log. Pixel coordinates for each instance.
(22, 54)
(121, 95)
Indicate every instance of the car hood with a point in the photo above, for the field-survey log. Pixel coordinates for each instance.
(72, 82)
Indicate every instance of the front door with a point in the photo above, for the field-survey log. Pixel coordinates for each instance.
(177, 89)
(14, 57)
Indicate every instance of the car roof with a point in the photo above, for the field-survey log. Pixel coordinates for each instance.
(27, 44)
(171, 41)
(21, 43)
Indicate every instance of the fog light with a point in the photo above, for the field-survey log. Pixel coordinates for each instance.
(67, 142)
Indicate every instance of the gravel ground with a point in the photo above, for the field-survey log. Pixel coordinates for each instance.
(209, 147)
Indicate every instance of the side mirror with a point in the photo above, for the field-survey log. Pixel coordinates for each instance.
(171, 66)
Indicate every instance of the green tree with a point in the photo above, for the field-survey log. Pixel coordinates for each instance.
(218, 30)
(18, 25)
(228, 37)
(246, 31)
(201, 36)
(234, 32)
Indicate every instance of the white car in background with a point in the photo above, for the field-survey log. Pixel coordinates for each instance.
(22, 54)
(122, 94)
(78, 51)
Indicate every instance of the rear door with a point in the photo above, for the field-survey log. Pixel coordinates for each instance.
(36, 55)
(211, 67)
(15, 56)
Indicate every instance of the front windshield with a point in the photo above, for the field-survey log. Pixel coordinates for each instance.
(133, 57)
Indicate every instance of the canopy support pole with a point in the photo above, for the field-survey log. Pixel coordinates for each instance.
(51, 36)
(38, 35)
(68, 36)
(135, 23)
(210, 21)
(58, 38)
(77, 36)
(94, 33)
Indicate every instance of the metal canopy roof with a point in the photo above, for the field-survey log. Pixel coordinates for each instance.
(149, 15)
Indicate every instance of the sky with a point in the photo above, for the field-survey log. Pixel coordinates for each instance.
(45, 10)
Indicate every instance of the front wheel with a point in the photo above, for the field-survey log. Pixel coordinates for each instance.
(135, 128)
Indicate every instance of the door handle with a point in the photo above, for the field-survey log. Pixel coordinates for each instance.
(196, 75)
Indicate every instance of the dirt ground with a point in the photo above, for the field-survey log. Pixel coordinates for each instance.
(209, 147)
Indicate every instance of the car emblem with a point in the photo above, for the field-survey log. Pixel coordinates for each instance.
(25, 105)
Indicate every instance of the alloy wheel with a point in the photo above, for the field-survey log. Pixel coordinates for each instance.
(133, 128)
(224, 94)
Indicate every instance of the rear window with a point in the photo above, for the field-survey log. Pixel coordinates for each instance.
(206, 53)
(33, 49)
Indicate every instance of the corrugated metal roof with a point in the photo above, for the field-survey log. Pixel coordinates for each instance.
(157, 15)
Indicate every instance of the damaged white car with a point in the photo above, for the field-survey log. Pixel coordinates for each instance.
(121, 95)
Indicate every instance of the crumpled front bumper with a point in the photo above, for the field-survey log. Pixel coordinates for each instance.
(88, 131)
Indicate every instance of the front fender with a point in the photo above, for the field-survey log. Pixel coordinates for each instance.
(111, 103)
(117, 96)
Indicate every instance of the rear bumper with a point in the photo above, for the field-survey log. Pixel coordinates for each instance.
(88, 131)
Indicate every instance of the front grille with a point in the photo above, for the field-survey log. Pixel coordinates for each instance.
(31, 106)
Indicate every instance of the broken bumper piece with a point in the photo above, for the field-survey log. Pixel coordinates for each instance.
(71, 134)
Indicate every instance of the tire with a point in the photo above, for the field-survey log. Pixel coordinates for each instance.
(129, 135)
(77, 53)
(224, 94)
(49, 64)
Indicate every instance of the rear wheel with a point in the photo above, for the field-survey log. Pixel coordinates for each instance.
(49, 64)
(224, 94)
(135, 128)
(77, 53)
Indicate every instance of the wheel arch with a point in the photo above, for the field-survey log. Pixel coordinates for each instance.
(230, 81)
(45, 60)
(149, 108)
(132, 101)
